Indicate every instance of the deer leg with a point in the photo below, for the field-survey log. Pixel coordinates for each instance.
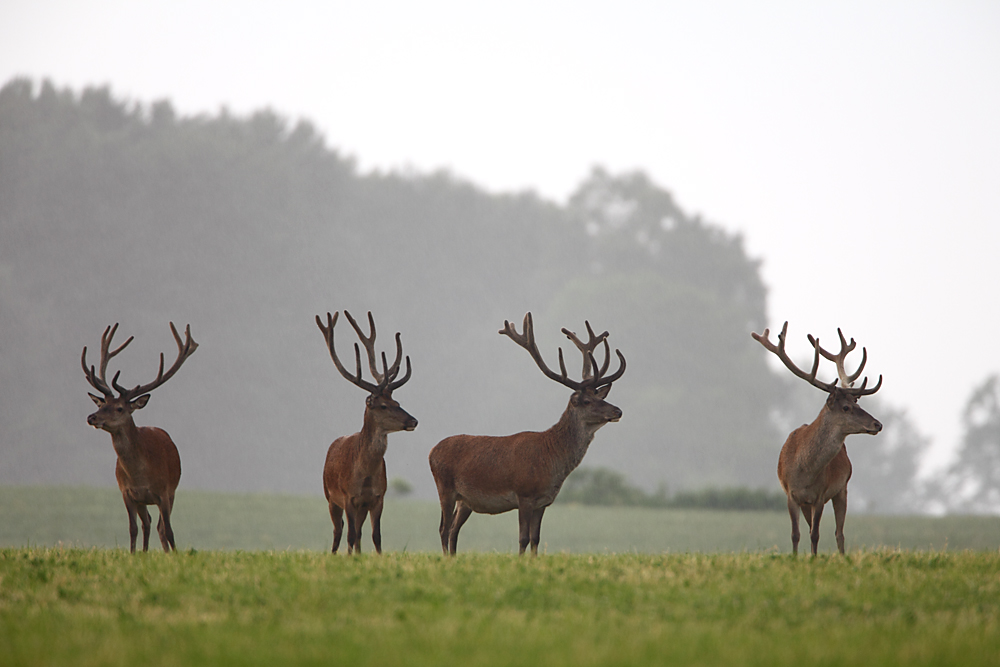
(353, 529)
(536, 529)
(362, 516)
(168, 526)
(163, 526)
(524, 514)
(145, 520)
(337, 515)
(447, 516)
(793, 512)
(133, 527)
(376, 513)
(839, 514)
(817, 513)
(463, 514)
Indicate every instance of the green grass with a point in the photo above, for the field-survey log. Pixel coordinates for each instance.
(87, 517)
(107, 607)
(251, 585)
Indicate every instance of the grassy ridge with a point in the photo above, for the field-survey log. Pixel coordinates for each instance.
(107, 607)
(85, 517)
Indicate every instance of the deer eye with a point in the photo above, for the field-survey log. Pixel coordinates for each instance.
(847, 408)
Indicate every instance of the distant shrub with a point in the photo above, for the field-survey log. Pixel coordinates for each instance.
(737, 498)
(399, 486)
(603, 486)
(606, 487)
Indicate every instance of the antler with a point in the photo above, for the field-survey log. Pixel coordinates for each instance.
(527, 341)
(587, 349)
(386, 380)
(845, 379)
(99, 381)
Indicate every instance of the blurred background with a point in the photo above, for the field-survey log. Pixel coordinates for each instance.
(677, 175)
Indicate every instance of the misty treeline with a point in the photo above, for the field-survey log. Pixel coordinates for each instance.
(248, 227)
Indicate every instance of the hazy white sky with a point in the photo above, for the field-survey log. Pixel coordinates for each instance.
(856, 146)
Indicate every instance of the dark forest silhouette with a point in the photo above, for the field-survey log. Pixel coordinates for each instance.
(248, 227)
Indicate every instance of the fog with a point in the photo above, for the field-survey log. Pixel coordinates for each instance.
(852, 149)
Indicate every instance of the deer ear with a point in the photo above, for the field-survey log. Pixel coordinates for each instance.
(370, 400)
(140, 402)
(98, 401)
(603, 392)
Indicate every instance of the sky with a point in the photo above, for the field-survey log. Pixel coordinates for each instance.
(854, 145)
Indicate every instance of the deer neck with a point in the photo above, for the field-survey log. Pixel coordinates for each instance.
(570, 438)
(827, 440)
(373, 440)
(125, 440)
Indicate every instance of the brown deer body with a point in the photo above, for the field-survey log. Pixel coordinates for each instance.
(813, 466)
(524, 471)
(354, 479)
(149, 467)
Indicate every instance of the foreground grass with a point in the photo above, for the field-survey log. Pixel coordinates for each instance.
(89, 517)
(106, 607)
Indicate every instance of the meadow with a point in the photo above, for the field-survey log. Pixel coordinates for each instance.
(95, 517)
(251, 585)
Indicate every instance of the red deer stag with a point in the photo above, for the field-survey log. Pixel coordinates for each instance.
(354, 478)
(525, 471)
(813, 466)
(149, 467)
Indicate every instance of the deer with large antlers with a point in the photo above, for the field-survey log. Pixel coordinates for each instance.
(149, 467)
(525, 471)
(813, 466)
(354, 479)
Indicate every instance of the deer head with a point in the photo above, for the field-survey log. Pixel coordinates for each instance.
(589, 394)
(379, 405)
(842, 402)
(114, 412)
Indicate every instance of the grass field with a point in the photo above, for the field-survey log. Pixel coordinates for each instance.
(251, 585)
(107, 607)
(87, 517)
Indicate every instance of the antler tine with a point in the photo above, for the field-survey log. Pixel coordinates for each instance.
(91, 375)
(100, 381)
(393, 386)
(779, 350)
(331, 322)
(357, 362)
(384, 379)
(840, 359)
(587, 348)
(861, 391)
(527, 341)
(562, 365)
(368, 342)
(109, 333)
(393, 370)
(107, 354)
(185, 349)
(601, 381)
(387, 374)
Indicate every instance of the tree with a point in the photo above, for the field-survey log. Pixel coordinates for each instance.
(246, 227)
(885, 478)
(972, 483)
(680, 297)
